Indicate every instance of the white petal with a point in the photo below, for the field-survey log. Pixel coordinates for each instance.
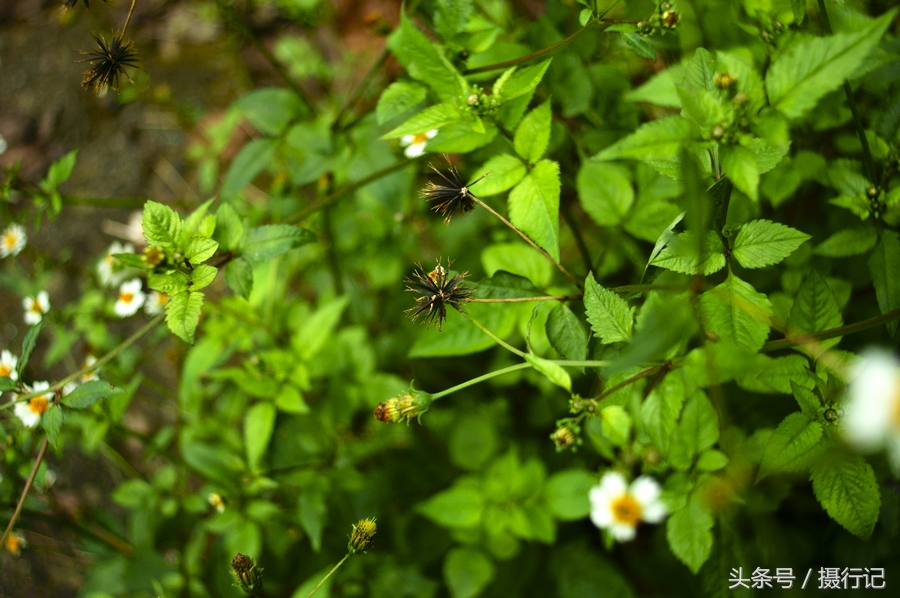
(415, 150)
(623, 532)
(29, 418)
(430, 134)
(653, 512)
(43, 300)
(601, 507)
(871, 404)
(645, 490)
(613, 484)
(407, 139)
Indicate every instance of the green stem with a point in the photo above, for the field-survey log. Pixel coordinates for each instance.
(851, 102)
(25, 490)
(805, 339)
(638, 288)
(551, 48)
(128, 18)
(482, 378)
(523, 299)
(496, 338)
(335, 568)
(352, 98)
(571, 363)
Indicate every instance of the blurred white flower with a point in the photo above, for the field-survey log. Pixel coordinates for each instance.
(8, 363)
(872, 410)
(92, 375)
(156, 302)
(619, 507)
(15, 542)
(30, 411)
(216, 501)
(13, 240)
(131, 298)
(415, 144)
(3, 144)
(110, 270)
(36, 307)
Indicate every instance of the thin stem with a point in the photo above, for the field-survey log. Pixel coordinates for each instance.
(522, 299)
(572, 363)
(851, 102)
(642, 374)
(496, 338)
(533, 55)
(805, 339)
(350, 188)
(559, 266)
(482, 378)
(335, 568)
(128, 18)
(352, 98)
(638, 288)
(25, 490)
(576, 232)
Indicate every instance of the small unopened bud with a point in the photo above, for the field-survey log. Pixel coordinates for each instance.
(670, 19)
(362, 536)
(472, 100)
(652, 457)
(407, 406)
(718, 132)
(248, 574)
(725, 80)
(831, 415)
(645, 27)
(872, 192)
(741, 98)
(564, 438)
(215, 500)
(153, 256)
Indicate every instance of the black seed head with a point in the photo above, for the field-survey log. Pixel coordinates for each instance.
(108, 62)
(437, 292)
(449, 200)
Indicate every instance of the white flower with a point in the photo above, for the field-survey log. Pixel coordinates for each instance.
(12, 241)
(872, 411)
(111, 270)
(30, 411)
(68, 387)
(415, 144)
(3, 144)
(156, 302)
(619, 507)
(92, 375)
(217, 503)
(131, 298)
(8, 363)
(36, 307)
(15, 542)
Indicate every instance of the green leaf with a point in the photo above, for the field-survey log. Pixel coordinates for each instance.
(697, 430)
(229, 228)
(735, 311)
(162, 226)
(505, 171)
(533, 134)
(605, 192)
(28, 344)
(847, 489)
(660, 139)
(567, 494)
(609, 315)
(801, 76)
(312, 511)
(199, 249)
(258, 426)
(202, 276)
(271, 109)
(806, 399)
(689, 532)
(555, 373)
(433, 117)
(423, 60)
(639, 45)
(85, 395)
(60, 171)
(741, 168)
(712, 460)
(504, 285)
(253, 158)
(566, 334)
(467, 572)
(265, 242)
(183, 314)
(815, 309)
(7, 383)
(239, 277)
(790, 446)
(52, 421)
(170, 282)
(524, 80)
(884, 264)
(534, 206)
(848, 241)
(399, 97)
(451, 17)
(195, 222)
(315, 331)
(761, 243)
(615, 424)
(681, 254)
(661, 410)
(699, 71)
(458, 507)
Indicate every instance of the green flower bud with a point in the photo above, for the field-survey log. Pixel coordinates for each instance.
(361, 538)
(248, 574)
(409, 405)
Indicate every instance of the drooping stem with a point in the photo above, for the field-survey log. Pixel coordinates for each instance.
(524, 299)
(128, 18)
(496, 338)
(333, 569)
(805, 339)
(25, 490)
(525, 238)
(482, 378)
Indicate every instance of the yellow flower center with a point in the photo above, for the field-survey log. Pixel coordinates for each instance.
(35, 307)
(9, 240)
(110, 259)
(13, 543)
(626, 510)
(5, 370)
(126, 297)
(162, 298)
(39, 405)
(420, 138)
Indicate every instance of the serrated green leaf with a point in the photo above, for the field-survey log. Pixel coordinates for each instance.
(259, 423)
(661, 410)
(7, 383)
(610, 317)
(790, 446)
(423, 60)
(399, 97)
(761, 243)
(433, 117)
(28, 344)
(199, 249)
(533, 134)
(524, 80)
(615, 424)
(712, 460)
(697, 430)
(505, 171)
(657, 140)
(553, 372)
(681, 254)
(202, 276)
(699, 71)
(801, 76)
(639, 45)
(467, 572)
(265, 242)
(768, 155)
(884, 264)
(735, 311)
(505, 285)
(815, 309)
(253, 159)
(457, 507)
(534, 206)
(689, 532)
(52, 421)
(566, 334)
(847, 242)
(451, 17)
(659, 89)
(567, 493)
(85, 395)
(170, 282)
(847, 489)
(183, 314)
(271, 109)
(741, 168)
(229, 228)
(806, 399)
(161, 225)
(239, 277)
(605, 192)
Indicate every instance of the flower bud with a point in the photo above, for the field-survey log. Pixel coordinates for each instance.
(472, 100)
(362, 536)
(563, 438)
(725, 80)
(670, 19)
(409, 405)
(153, 256)
(248, 574)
